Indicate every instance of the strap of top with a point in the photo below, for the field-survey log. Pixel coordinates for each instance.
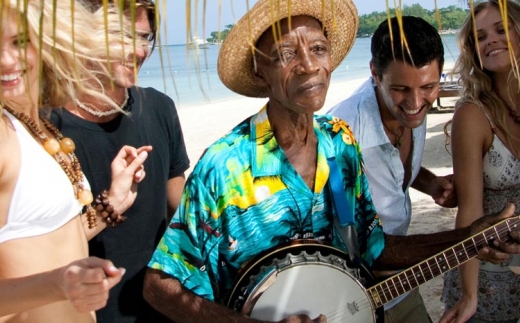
(491, 123)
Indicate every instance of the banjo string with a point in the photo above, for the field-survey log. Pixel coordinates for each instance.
(389, 290)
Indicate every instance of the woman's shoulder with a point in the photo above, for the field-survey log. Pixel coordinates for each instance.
(471, 114)
(472, 120)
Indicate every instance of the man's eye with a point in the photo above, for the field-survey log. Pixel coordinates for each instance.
(286, 56)
(398, 89)
(320, 49)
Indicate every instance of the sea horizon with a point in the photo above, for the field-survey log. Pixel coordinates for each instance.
(189, 76)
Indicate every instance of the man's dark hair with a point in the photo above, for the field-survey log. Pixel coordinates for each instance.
(424, 44)
(94, 5)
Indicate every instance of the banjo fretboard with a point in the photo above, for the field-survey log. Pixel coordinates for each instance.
(442, 262)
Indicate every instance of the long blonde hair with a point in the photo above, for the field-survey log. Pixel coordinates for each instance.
(75, 47)
(477, 83)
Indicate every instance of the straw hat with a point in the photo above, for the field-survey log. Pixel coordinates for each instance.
(235, 60)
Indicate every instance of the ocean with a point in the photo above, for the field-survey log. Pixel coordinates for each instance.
(190, 77)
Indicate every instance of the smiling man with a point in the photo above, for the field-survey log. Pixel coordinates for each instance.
(388, 117)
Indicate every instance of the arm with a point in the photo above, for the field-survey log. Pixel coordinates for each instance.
(471, 138)
(440, 188)
(85, 283)
(167, 295)
(127, 172)
(174, 189)
(405, 251)
(179, 161)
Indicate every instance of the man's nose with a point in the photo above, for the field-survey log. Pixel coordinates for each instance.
(142, 49)
(307, 61)
(416, 99)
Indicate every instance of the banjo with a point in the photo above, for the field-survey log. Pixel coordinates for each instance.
(312, 278)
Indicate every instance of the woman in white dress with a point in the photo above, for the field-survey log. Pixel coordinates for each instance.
(485, 138)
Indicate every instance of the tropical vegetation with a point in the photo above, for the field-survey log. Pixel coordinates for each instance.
(217, 37)
(450, 18)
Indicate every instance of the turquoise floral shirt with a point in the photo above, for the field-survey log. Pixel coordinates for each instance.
(244, 197)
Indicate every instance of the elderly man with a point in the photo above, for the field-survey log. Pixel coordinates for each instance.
(265, 185)
(145, 117)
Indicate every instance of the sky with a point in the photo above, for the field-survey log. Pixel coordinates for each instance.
(174, 17)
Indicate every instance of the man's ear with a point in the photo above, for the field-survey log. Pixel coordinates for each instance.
(374, 74)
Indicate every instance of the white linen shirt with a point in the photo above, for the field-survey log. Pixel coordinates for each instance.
(383, 166)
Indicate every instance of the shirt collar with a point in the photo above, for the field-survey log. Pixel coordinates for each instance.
(268, 157)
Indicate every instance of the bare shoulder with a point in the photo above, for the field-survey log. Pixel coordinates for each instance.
(471, 119)
(471, 127)
(470, 114)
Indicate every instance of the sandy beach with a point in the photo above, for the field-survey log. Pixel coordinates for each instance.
(204, 124)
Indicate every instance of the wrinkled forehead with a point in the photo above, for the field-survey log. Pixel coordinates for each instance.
(285, 26)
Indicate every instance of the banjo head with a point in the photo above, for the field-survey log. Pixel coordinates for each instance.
(309, 279)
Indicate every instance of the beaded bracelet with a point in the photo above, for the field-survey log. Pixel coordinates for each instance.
(108, 213)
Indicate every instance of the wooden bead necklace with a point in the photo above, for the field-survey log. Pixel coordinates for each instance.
(513, 114)
(56, 146)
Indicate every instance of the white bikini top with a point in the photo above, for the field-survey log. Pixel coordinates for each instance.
(43, 198)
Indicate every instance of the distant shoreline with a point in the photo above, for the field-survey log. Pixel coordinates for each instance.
(441, 32)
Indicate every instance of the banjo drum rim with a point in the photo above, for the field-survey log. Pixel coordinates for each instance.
(272, 258)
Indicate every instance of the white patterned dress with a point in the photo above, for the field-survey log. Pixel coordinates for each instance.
(499, 287)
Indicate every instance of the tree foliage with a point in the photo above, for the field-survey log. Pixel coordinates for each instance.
(451, 17)
(218, 38)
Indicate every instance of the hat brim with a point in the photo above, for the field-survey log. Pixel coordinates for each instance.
(339, 18)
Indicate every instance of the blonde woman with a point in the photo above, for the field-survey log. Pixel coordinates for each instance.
(485, 147)
(45, 275)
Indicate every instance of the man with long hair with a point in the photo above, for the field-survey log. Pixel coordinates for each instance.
(145, 117)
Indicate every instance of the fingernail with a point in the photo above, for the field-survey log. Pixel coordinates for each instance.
(122, 270)
(143, 154)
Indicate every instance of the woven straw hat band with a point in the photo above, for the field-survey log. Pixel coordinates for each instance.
(339, 18)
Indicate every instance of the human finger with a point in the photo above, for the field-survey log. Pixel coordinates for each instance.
(139, 176)
(320, 319)
(126, 152)
(492, 255)
(508, 247)
(133, 165)
(144, 148)
(115, 277)
(94, 296)
(447, 317)
(487, 221)
(506, 212)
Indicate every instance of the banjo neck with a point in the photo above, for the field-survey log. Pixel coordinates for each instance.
(440, 263)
